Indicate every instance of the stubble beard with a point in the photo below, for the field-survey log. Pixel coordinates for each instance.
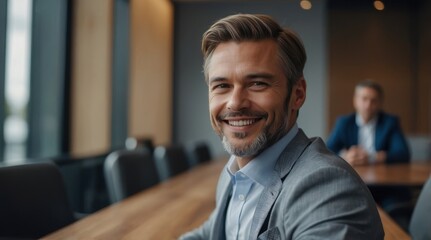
(262, 141)
(252, 149)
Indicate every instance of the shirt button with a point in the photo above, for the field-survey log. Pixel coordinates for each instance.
(241, 197)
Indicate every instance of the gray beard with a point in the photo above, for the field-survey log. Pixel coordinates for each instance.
(259, 144)
(247, 151)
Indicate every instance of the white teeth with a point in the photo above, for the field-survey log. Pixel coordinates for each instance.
(241, 123)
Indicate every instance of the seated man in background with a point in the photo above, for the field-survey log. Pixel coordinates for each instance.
(369, 135)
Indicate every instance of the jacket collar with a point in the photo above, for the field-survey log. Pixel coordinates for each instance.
(225, 189)
(284, 164)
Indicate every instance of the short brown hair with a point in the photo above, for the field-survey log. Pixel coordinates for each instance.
(249, 27)
(368, 83)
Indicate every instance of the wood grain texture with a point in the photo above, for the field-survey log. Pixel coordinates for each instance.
(392, 230)
(405, 174)
(163, 212)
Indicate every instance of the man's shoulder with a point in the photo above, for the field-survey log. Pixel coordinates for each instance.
(317, 165)
(306, 155)
(344, 122)
(319, 181)
(387, 118)
(317, 155)
(347, 117)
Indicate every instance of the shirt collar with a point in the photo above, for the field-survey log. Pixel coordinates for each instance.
(360, 121)
(262, 166)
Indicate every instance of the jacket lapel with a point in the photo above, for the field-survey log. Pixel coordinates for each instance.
(378, 139)
(283, 166)
(264, 205)
(219, 224)
(354, 131)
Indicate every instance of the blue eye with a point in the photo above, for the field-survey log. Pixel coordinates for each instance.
(258, 85)
(223, 85)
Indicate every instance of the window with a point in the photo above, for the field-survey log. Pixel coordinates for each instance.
(17, 72)
(34, 48)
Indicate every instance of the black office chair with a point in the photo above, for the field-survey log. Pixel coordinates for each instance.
(170, 160)
(139, 143)
(128, 172)
(85, 182)
(420, 147)
(198, 152)
(33, 201)
(420, 224)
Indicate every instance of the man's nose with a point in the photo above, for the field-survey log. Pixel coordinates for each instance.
(367, 104)
(238, 99)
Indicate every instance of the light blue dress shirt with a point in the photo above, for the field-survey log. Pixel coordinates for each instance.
(367, 136)
(248, 185)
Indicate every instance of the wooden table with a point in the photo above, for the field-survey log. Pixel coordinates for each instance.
(162, 212)
(413, 174)
(167, 210)
(392, 230)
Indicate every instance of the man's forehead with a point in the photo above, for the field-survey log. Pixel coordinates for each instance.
(366, 89)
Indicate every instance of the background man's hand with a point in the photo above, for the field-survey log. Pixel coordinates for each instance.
(356, 156)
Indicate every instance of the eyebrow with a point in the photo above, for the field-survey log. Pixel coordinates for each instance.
(217, 79)
(260, 75)
(251, 76)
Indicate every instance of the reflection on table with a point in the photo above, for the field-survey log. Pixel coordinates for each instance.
(164, 211)
(401, 174)
(391, 228)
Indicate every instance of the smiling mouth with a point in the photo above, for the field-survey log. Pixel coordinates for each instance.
(241, 123)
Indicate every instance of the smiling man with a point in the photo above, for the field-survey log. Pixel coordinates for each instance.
(248, 97)
(278, 183)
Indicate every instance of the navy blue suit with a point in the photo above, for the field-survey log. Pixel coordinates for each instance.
(389, 137)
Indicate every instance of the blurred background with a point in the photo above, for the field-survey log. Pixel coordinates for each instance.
(78, 77)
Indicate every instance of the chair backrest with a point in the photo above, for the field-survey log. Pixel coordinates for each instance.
(198, 152)
(420, 147)
(128, 172)
(85, 181)
(420, 223)
(170, 160)
(33, 201)
(134, 143)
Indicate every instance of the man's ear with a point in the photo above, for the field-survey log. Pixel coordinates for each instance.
(299, 93)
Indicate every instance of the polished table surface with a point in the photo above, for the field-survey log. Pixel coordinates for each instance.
(167, 210)
(392, 230)
(401, 174)
(164, 211)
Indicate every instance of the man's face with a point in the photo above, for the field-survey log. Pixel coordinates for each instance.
(248, 102)
(367, 102)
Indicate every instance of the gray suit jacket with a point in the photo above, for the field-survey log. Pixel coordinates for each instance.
(314, 195)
